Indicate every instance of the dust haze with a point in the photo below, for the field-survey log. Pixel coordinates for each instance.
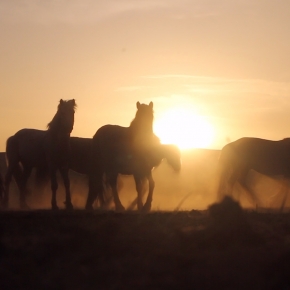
(194, 187)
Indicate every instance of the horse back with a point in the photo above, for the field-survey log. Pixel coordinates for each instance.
(112, 133)
(264, 156)
(26, 146)
(111, 140)
(262, 147)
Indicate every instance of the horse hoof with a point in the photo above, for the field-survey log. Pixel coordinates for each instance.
(120, 208)
(24, 206)
(54, 207)
(146, 208)
(4, 205)
(89, 207)
(68, 205)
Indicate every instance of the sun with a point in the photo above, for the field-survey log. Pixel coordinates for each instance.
(181, 126)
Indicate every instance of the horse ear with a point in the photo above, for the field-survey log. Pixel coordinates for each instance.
(151, 105)
(138, 105)
(61, 101)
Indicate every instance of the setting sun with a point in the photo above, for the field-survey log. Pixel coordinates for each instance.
(181, 126)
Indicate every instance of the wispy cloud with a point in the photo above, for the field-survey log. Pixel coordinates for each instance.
(88, 11)
(205, 84)
(73, 11)
(132, 88)
(226, 97)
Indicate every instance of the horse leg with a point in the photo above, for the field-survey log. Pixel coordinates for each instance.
(243, 184)
(284, 189)
(113, 183)
(7, 182)
(222, 181)
(66, 182)
(139, 187)
(54, 187)
(135, 201)
(21, 182)
(1, 189)
(230, 182)
(8, 177)
(95, 190)
(91, 194)
(147, 206)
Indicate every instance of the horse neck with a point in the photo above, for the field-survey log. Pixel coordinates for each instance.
(56, 126)
(56, 130)
(137, 127)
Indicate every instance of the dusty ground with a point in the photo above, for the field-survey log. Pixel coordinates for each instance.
(221, 248)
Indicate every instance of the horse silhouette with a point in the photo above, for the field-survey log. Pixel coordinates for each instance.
(113, 145)
(271, 158)
(48, 150)
(140, 166)
(1, 188)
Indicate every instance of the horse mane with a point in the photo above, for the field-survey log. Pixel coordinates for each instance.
(54, 123)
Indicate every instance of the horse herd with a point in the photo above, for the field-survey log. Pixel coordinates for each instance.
(133, 150)
(113, 150)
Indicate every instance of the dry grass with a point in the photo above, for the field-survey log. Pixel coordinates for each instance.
(223, 247)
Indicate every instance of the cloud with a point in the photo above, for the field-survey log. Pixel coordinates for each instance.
(73, 11)
(132, 88)
(226, 98)
(206, 85)
(90, 11)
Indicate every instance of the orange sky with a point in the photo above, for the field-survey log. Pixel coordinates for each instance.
(226, 60)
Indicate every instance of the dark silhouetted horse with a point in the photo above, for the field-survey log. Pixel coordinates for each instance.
(271, 158)
(141, 166)
(48, 150)
(113, 145)
(1, 188)
(80, 155)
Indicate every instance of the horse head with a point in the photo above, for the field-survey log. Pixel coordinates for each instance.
(64, 117)
(144, 117)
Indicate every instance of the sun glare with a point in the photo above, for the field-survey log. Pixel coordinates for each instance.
(184, 128)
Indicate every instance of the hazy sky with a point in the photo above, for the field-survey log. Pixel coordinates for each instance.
(227, 61)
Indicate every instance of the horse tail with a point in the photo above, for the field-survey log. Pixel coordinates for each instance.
(12, 154)
(173, 157)
(13, 162)
(224, 169)
(1, 188)
(13, 158)
(96, 173)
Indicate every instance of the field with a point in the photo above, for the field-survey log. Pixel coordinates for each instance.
(198, 246)
(223, 247)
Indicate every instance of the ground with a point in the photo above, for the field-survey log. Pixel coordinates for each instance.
(223, 247)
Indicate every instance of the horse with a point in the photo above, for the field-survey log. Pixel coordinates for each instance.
(1, 187)
(271, 158)
(140, 166)
(80, 155)
(113, 144)
(45, 149)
